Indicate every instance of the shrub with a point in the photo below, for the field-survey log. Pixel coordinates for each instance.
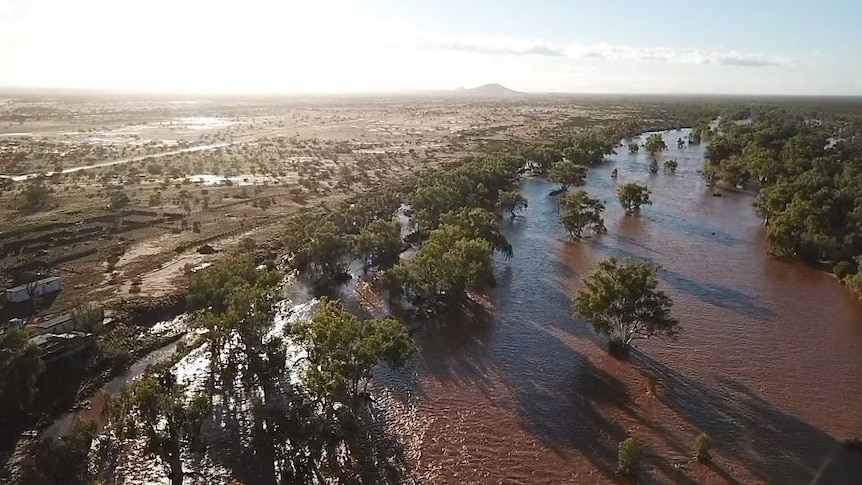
(88, 317)
(701, 447)
(629, 455)
(843, 269)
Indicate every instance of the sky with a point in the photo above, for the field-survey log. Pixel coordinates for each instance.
(347, 46)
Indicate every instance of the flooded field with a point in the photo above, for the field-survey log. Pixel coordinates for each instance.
(769, 362)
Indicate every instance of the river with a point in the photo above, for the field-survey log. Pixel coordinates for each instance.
(769, 362)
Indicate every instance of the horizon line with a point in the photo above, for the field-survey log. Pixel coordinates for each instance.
(397, 92)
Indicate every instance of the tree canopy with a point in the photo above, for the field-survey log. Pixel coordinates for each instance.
(511, 201)
(378, 244)
(808, 168)
(632, 196)
(655, 144)
(343, 350)
(158, 410)
(568, 173)
(579, 212)
(622, 301)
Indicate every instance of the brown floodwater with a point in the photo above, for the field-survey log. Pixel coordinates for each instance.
(769, 362)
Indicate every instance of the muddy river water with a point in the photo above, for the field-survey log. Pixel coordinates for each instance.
(769, 362)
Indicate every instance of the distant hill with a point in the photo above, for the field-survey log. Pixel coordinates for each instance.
(488, 91)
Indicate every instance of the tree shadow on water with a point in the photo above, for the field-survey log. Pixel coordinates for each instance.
(565, 416)
(776, 446)
(717, 295)
(454, 345)
(690, 228)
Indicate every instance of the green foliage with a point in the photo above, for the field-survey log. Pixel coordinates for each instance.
(722, 147)
(589, 148)
(343, 351)
(20, 368)
(511, 201)
(632, 196)
(655, 144)
(623, 302)
(855, 281)
(478, 224)
(694, 138)
(544, 158)
(629, 455)
(567, 173)
(62, 460)
(366, 210)
(88, 317)
(378, 245)
(578, 212)
(159, 410)
(212, 287)
(702, 446)
(326, 255)
(671, 166)
(445, 267)
(476, 183)
(810, 188)
(843, 269)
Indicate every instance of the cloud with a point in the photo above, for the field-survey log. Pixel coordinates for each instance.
(514, 46)
(490, 45)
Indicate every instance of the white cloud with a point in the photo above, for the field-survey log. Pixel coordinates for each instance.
(489, 45)
(515, 46)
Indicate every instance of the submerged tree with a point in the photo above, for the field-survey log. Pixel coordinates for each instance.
(579, 212)
(567, 173)
(61, 460)
(448, 265)
(344, 350)
(158, 410)
(511, 201)
(694, 137)
(478, 224)
(378, 245)
(622, 301)
(655, 144)
(629, 454)
(632, 196)
(670, 166)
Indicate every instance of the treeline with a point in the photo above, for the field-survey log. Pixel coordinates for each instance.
(808, 169)
(452, 211)
(291, 416)
(302, 421)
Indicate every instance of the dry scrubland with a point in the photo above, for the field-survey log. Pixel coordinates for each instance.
(215, 172)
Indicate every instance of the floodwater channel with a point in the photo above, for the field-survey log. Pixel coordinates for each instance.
(769, 362)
